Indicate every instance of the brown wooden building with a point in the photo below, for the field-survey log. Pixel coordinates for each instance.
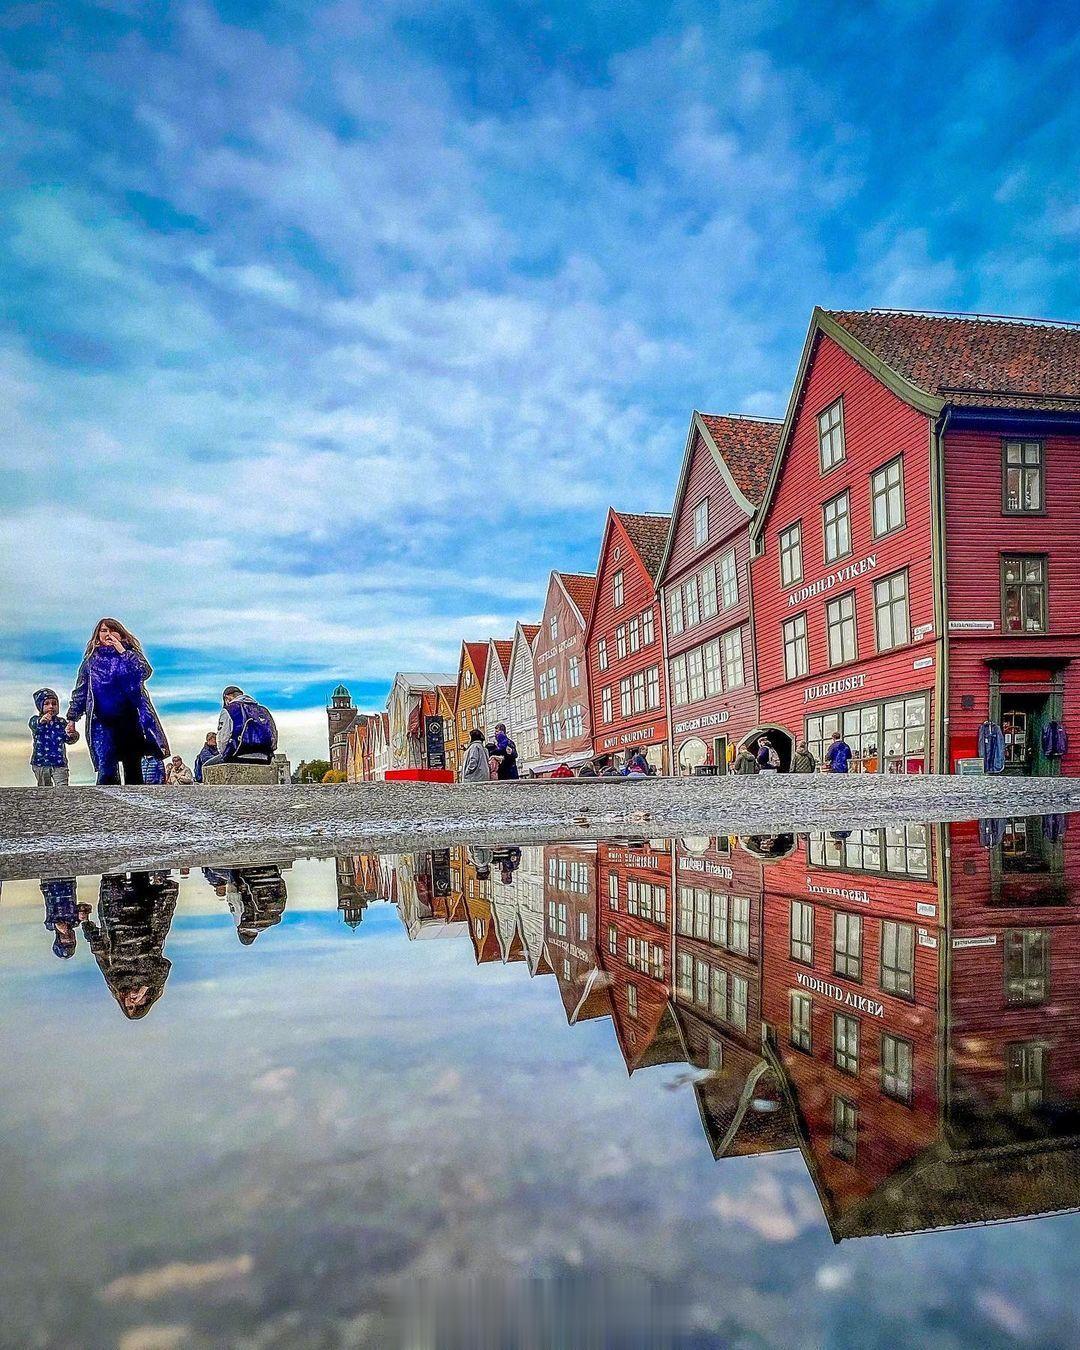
(562, 681)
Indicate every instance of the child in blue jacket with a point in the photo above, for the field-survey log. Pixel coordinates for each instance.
(52, 736)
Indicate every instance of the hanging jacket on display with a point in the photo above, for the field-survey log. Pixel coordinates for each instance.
(1055, 740)
(992, 831)
(1054, 826)
(992, 747)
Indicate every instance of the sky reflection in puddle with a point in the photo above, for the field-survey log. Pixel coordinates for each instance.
(640, 1086)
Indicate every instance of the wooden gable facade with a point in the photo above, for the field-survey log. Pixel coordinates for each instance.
(562, 692)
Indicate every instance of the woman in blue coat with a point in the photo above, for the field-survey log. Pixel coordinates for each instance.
(121, 723)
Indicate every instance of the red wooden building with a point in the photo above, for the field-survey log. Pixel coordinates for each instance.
(915, 565)
(624, 642)
(704, 585)
(562, 681)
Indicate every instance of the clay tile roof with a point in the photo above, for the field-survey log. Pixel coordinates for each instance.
(449, 692)
(530, 630)
(648, 534)
(998, 362)
(504, 646)
(581, 588)
(478, 656)
(748, 447)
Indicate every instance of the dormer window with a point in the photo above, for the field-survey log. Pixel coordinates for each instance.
(553, 627)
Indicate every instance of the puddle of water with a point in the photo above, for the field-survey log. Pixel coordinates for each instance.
(630, 1093)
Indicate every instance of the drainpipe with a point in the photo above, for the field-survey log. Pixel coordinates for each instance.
(941, 609)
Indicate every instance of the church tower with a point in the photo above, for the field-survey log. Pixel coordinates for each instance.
(341, 713)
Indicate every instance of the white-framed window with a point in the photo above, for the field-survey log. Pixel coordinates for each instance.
(690, 600)
(648, 628)
(624, 696)
(791, 554)
(601, 654)
(887, 497)
(695, 674)
(637, 682)
(652, 690)
(553, 681)
(734, 674)
(631, 999)
(892, 623)
(613, 939)
(836, 520)
(620, 641)
(729, 580)
(679, 692)
(710, 656)
(605, 701)
(701, 523)
(830, 424)
(675, 612)
(553, 627)
(575, 671)
(840, 626)
(583, 926)
(617, 588)
(796, 649)
(543, 684)
(633, 633)
(707, 576)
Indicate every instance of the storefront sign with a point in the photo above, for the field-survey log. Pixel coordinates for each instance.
(971, 625)
(834, 991)
(841, 892)
(921, 632)
(922, 663)
(844, 686)
(707, 866)
(641, 735)
(926, 939)
(989, 941)
(842, 574)
(716, 719)
(970, 768)
(927, 911)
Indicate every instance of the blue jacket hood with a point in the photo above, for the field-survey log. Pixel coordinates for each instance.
(40, 695)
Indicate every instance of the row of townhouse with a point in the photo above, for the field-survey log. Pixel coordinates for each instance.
(828, 989)
(897, 559)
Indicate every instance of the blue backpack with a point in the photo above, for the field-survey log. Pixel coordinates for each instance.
(253, 731)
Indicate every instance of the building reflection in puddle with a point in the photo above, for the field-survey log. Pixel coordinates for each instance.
(899, 1004)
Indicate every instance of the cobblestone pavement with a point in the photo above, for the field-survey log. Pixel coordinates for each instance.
(83, 830)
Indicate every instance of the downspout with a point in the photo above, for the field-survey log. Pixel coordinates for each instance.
(941, 609)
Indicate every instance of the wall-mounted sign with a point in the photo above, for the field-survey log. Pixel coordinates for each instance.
(926, 939)
(639, 734)
(716, 719)
(563, 646)
(707, 866)
(834, 991)
(926, 910)
(989, 941)
(971, 625)
(847, 573)
(641, 860)
(921, 631)
(970, 768)
(922, 663)
(841, 892)
(844, 686)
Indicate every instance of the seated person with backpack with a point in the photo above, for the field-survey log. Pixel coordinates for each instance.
(246, 732)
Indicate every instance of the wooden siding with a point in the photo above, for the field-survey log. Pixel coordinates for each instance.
(878, 427)
(556, 655)
(733, 712)
(648, 728)
(522, 693)
(977, 533)
(468, 704)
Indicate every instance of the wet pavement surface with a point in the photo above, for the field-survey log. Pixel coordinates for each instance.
(641, 1091)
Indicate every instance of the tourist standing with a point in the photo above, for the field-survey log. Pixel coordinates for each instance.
(804, 761)
(51, 738)
(507, 752)
(838, 755)
(745, 761)
(110, 690)
(475, 763)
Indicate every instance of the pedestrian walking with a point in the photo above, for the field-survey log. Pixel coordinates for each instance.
(745, 761)
(208, 752)
(475, 763)
(51, 738)
(177, 773)
(838, 755)
(804, 761)
(122, 724)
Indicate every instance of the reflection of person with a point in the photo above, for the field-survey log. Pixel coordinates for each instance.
(110, 689)
(135, 912)
(63, 913)
(256, 897)
(51, 738)
(482, 859)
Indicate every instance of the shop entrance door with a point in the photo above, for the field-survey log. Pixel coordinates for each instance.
(720, 754)
(1022, 719)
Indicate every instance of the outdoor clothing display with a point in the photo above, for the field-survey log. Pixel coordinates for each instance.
(991, 744)
(1055, 740)
(838, 756)
(804, 762)
(51, 739)
(246, 732)
(122, 724)
(992, 831)
(1054, 826)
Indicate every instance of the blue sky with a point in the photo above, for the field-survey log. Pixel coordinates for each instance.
(328, 330)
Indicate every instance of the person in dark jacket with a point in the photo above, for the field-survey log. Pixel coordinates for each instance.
(63, 913)
(122, 724)
(507, 752)
(587, 770)
(207, 753)
(51, 738)
(135, 913)
(838, 755)
(246, 733)
(745, 761)
(804, 761)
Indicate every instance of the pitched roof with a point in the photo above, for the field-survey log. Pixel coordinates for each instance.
(580, 587)
(448, 691)
(748, 446)
(969, 359)
(478, 656)
(503, 647)
(530, 630)
(648, 534)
